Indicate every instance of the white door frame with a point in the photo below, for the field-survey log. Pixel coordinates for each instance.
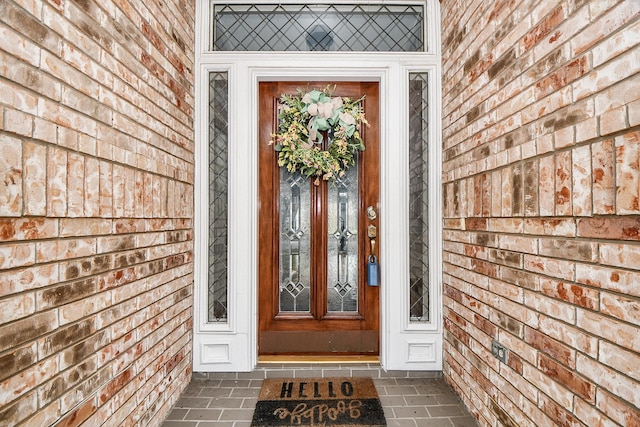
(232, 346)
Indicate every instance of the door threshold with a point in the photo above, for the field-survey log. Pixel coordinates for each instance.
(317, 359)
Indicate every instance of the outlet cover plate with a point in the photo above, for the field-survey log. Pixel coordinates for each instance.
(499, 351)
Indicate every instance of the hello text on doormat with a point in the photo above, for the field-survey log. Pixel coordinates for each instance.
(329, 402)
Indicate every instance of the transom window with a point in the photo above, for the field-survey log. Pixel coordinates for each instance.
(318, 27)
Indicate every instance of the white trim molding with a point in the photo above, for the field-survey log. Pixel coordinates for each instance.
(232, 346)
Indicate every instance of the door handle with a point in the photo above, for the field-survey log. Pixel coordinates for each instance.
(372, 233)
(373, 278)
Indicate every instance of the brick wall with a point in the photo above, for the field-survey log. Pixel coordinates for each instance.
(541, 119)
(96, 210)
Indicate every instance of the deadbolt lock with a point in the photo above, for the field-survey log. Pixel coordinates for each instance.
(371, 213)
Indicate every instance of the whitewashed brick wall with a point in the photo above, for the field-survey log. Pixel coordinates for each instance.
(96, 210)
(542, 209)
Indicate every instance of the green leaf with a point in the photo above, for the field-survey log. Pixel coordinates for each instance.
(349, 130)
(278, 147)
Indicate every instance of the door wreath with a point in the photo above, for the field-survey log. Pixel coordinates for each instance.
(302, 122)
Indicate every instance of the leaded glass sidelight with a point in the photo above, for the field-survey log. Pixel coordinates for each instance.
(218, 184)
(342, 257)
(418, 198)
(295, 260)
(318, 27)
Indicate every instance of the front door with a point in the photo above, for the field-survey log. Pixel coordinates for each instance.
(316, 240)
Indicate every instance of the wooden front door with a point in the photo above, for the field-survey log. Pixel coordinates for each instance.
(314, 243)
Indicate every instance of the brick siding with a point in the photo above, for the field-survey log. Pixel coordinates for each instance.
(96, 210)
(541, 137)
(541, 188)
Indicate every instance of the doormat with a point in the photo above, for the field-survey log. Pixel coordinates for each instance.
(328, 402)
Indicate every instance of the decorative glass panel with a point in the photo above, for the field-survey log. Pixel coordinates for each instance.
(342, 271)
(323, 27)
(295, 260)
(218, 184)
(418, 198)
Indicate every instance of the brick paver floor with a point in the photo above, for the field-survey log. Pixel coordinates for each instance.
(409, 399)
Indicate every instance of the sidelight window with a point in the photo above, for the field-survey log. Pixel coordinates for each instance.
(418, 198)
(218, 184)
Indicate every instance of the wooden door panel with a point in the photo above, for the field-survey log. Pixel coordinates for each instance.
(316, 331)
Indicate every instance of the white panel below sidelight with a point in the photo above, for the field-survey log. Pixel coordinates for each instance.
(215, 353)
(421, 352)
(222, 354)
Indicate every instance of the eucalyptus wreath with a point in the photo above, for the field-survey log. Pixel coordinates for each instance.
(303, 122)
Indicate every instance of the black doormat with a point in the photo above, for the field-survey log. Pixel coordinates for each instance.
(329, 402)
